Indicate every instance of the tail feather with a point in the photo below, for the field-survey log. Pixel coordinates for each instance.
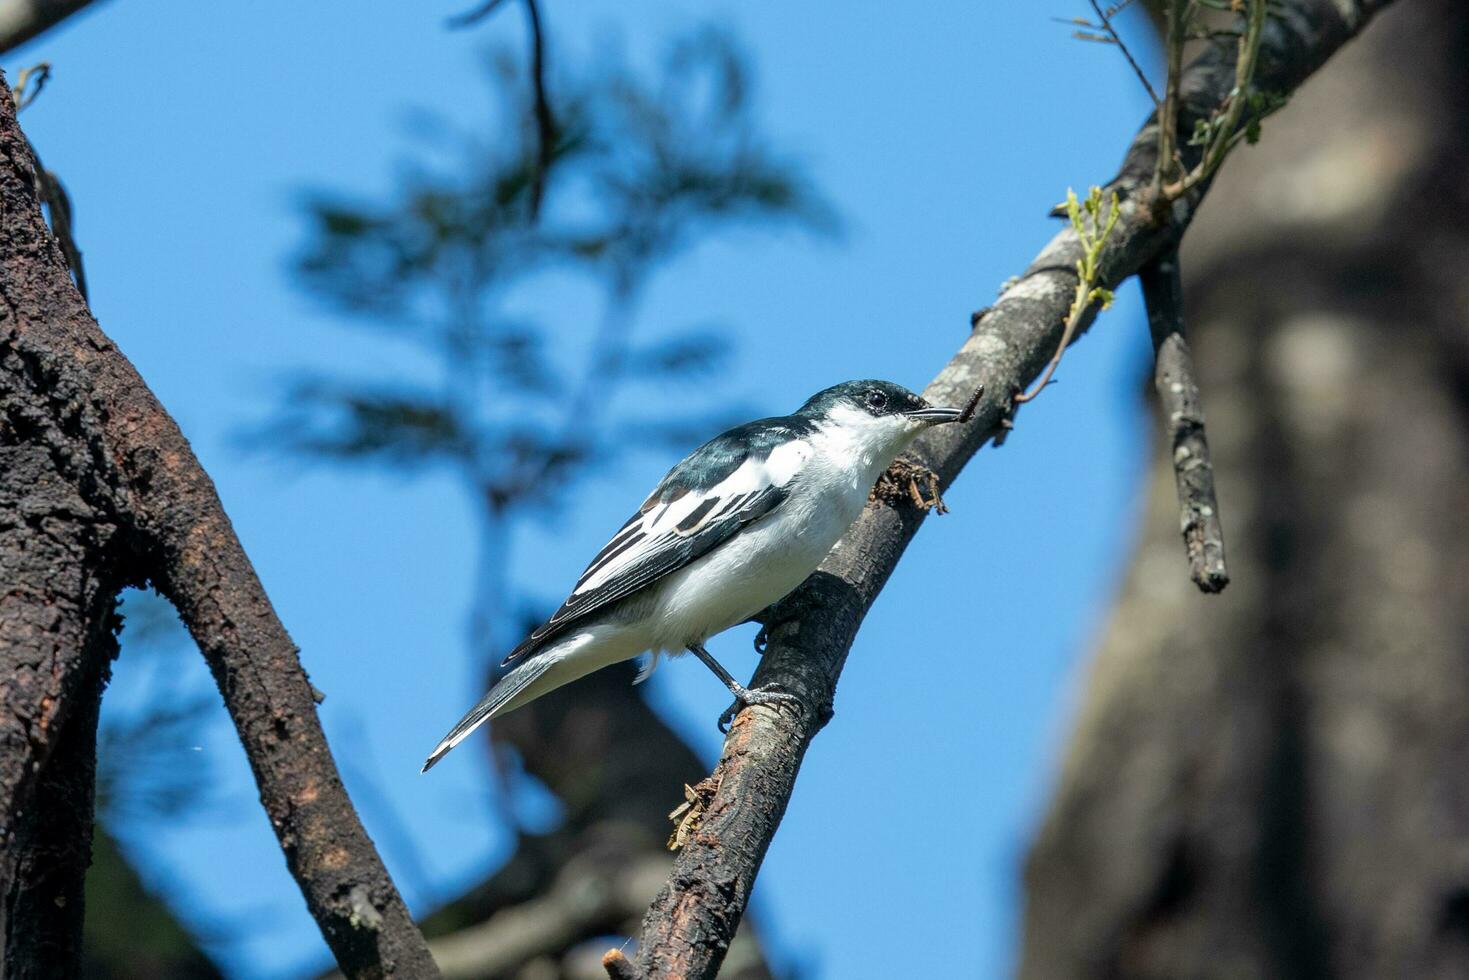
(498, 697)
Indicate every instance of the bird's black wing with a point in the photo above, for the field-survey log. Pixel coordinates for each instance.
(723, 486)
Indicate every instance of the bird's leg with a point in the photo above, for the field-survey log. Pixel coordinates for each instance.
(743, 695)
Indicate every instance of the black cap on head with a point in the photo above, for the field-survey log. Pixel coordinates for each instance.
(872, 396)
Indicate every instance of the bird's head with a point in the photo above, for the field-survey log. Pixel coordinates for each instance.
(881, 416)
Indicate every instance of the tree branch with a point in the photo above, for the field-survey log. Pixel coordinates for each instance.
(619, 967)
(61, 553)
(690, 923)
(1104, 21)
(1183, 417)
(545, 121)
(53, 849)
(73, 403)
(21, 20)
(1226, 127)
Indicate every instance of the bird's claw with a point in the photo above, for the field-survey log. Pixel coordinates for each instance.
(764, 695)
(792, 607)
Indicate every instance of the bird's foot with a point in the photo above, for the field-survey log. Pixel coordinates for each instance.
(744, 697)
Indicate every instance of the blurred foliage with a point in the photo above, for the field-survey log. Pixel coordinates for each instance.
(150, 768)
(637, 172)
(151, 773)
(130, 934)
(639, 168)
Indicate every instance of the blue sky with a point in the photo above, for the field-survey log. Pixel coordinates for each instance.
(185, 132)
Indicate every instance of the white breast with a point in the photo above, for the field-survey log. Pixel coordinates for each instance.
(770, 557)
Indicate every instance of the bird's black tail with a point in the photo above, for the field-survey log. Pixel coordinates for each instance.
(505, 689)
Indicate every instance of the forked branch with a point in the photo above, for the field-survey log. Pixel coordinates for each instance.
(1239, 111)
(136, 477)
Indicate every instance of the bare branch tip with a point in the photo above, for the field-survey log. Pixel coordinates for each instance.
(29, 83)
(619, 967)
(972, 406)
(1183, 415)
(1111, 36)
(1211, 581)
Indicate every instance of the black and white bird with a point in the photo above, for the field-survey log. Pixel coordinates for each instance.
(733, 528)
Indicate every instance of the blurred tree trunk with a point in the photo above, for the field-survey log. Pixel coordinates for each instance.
(1275, 782)
(129, 933)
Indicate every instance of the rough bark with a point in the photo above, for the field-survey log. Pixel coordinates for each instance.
(60, 569)
(690, 923)
(100, 489)
(1271, 783)
(22, 20)
(1175, 380)
(52, 842)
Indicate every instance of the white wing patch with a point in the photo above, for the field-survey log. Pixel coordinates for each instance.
(687, 515)
(786, 461)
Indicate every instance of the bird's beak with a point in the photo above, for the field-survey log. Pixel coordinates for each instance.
(935, 416)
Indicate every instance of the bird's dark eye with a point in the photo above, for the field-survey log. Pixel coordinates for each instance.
(877, 401)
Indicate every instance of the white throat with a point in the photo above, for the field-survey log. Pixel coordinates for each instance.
(864, 444)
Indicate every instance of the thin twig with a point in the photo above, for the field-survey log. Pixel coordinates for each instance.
(545, 121)
(1106, 25)
(1223, 134)
(1168, 123)
(58, 208)
(1093, 230)
(30, 83)
(1078, 313)
(546, 133)
(1183, 419)
(471, 17)
(28, 87)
